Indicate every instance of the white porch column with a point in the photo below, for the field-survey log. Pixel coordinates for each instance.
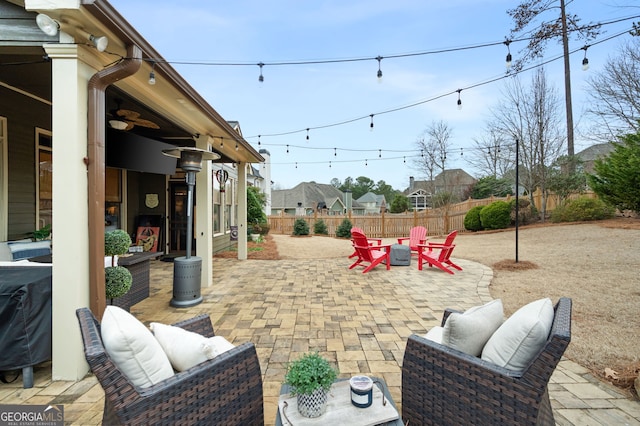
(70, 79)
(242, 211)
(203, 229)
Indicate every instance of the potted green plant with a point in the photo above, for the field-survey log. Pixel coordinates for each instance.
(118, 279)
(310, 378)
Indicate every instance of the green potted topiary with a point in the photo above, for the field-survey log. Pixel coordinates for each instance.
(118, 279)
(310, 378)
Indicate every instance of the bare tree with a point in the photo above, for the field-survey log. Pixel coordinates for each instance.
(491, 154)
(433, 145)
(530, 13)
(531, 116)
(615, 94)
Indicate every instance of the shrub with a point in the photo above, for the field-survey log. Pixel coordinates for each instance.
(118, 281)
(496, 215)
(116, 242)
(582, 208)
(320, 228)
(344, 230)
(472, 219)
(525, 212)
(300, 227)
(259, 228)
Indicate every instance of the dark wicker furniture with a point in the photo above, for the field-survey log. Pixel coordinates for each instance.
(138, 265)
(443, 386)
(225, 390)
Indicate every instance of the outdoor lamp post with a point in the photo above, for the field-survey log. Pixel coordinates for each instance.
(187, 270)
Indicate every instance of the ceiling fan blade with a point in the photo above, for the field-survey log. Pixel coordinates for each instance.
(145, 123)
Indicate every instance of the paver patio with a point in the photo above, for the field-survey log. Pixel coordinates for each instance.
(358, 321)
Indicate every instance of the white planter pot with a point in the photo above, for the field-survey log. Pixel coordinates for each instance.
(314, 404)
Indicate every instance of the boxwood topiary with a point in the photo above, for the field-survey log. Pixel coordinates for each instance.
(320, 227)
(116, 242)
(496, 215)
(118, 281)
(472, 220)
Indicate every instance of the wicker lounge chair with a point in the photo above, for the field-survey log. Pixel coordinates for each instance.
(444, 386)
(224, 390)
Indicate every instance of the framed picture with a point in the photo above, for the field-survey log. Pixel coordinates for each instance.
(147, 237)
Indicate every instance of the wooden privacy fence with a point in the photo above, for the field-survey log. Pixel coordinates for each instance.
(389, 225)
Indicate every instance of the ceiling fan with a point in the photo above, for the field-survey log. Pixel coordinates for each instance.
(126, 119)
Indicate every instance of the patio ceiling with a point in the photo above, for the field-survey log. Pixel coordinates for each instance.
(178, 110)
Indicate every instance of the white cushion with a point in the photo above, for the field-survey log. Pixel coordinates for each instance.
(435, 334)
(133, 348)
(521, 336)
(26, 250)
(469, 331)
(185, 348)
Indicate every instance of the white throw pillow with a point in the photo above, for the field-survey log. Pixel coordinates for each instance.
(217, 345)
(521, 336)
(183, 348)
(133, 348)
(469, 331)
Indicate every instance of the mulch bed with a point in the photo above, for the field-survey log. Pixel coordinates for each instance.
(266, 250)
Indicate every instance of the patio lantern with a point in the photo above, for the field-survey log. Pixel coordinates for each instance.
(187, 270)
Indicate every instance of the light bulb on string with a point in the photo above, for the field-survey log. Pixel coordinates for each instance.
(379, 58)
(461, 153)
(585, 61)
(329, 164)
(507, 42)
(296, 164)
(335, 152)
(152, 74)
(307, 133)
(404, 160)
(371, 125)
(459, 100)
(379, 153)
(258, 140)
(287, 148)
(366, 162)
(261, 77)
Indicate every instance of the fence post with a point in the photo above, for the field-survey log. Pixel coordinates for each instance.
(383, 225)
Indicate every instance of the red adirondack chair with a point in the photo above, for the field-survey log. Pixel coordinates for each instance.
(417, 235)
(368, 254)
(371, 241)
(437, 254)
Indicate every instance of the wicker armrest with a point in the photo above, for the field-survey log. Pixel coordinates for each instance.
(447, 312)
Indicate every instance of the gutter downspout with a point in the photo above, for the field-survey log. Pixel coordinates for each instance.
(95, 162)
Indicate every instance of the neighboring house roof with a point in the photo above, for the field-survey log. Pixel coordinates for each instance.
(369, 197)
(310, 195)
(596, 151)
(446, 180)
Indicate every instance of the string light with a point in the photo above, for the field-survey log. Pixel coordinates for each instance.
(307, 133)
(366, 162)
(329, 164)
(461, 153)
(152, 74)
(287, 149)
(404, 160)
(459, 100)
(371, 125)
(259, 140)
(335, 152)
(261, 77)
(507, 42)
(379, 153)
(585, 61)
(379, 58)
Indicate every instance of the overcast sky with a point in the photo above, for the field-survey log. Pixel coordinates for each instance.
(320, 96)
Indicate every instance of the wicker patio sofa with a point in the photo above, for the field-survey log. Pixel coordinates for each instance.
(224, 390)
(444, 386)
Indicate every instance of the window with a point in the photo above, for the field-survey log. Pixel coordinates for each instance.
(44, 180)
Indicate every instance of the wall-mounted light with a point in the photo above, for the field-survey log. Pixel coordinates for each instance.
(48, 25)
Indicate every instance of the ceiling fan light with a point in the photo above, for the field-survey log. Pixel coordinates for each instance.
(118, 124)
(47, 24)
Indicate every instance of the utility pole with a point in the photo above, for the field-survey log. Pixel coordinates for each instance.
(567, 80)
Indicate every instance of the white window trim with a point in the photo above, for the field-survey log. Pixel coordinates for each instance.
(4, 180)
(40, 131)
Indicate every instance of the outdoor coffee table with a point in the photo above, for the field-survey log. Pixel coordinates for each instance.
(340, 411)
